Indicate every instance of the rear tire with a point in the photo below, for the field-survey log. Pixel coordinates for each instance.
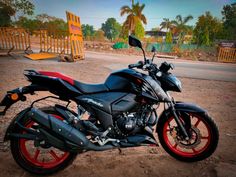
(34, 166)
(197, 155)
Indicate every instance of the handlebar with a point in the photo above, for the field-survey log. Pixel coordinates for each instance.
(136, 65)
(151, 67)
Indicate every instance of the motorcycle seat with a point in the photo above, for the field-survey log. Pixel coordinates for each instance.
(83, 87)
(90, 88)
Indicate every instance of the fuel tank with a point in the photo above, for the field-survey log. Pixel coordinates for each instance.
(132, 81)
(125, 80)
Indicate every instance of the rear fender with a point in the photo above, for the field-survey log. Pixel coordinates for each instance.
(13, 127)
(65, 112)
(16, 95)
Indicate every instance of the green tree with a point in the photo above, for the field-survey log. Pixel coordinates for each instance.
(207, 29)
(88, 31)
(124, 34)
(56, 25)
(229, 19)
(139, 31)
(169, 37)
(111, 28)
(52, 24)
(45, 18)
(132, 2)
(166, 24)
(134, 15)
(99, 35)
(181, 27)
(5, 14)
(22, 7)
(30, 24)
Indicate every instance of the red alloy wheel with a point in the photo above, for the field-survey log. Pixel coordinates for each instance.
(193, 151)
(56, 155)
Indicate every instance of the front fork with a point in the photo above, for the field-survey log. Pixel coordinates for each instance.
(178, 121)
(180, 124)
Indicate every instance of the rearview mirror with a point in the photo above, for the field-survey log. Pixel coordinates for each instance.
(133, 41)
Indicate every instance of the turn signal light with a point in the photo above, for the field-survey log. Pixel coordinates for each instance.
(14, 96)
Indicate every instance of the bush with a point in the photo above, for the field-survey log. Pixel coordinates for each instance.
(120, 45)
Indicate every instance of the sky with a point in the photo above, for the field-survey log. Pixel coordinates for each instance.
(95, 12)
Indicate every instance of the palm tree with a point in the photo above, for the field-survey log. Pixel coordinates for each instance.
(134, 14)
(181, 27)
(166, 24)
(132, 2)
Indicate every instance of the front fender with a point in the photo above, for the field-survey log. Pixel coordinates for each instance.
(189, 107)
(181, 107)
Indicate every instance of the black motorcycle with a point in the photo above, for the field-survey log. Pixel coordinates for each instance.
(122, 113)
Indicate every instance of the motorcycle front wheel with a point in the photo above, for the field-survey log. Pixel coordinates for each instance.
(204, 136)
(41, 160)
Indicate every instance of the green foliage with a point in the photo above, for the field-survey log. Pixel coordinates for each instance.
(124, 33)
(45, 18)
(134, 15)
(56, 24)
(53, 24)
(23, 7)
(88, 31)
(139, 31)
(111, 28)
(31, 24)
(169, 37)
(229, 18)
(166, 24)
(99, 35)
(207, 29)
(181, 27)
(5, 14)
(120, 45)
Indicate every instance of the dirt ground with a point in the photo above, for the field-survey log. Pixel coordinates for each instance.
(219, 98)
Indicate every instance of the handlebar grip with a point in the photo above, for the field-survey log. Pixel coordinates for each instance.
(137, 65)
(132, 66)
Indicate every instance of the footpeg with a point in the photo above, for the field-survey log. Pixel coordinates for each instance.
(102, 140)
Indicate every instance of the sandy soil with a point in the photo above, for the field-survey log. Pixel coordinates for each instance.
(215, 96)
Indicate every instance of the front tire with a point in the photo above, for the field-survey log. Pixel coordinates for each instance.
(202, 144)
(28, 157)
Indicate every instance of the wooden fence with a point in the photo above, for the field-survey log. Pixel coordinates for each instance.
(227, 55)
(57, 42)
(14, 39)
(54, 42)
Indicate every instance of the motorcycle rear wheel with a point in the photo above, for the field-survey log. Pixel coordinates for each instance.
(29, 157)
(202, 144)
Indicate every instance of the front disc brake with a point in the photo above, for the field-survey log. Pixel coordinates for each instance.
(194, 141)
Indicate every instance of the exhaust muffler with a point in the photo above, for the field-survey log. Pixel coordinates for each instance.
(58, 132)
(61, 129)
